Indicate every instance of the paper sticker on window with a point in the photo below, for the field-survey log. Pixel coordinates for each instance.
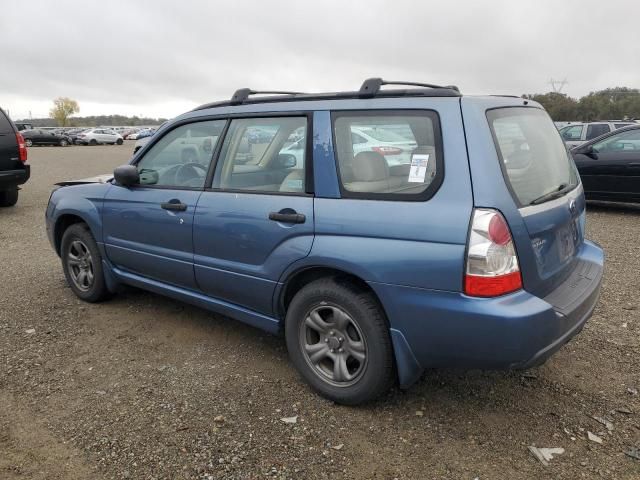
(419, 163)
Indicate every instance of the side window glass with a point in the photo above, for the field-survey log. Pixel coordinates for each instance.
(621, 142)
(181, 158)
(572, 133)
(387, 153)
(263, 154)
(596, 130)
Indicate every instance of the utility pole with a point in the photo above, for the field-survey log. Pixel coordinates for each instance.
(558, 85)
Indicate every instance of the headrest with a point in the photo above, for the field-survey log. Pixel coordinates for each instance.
(370, 167)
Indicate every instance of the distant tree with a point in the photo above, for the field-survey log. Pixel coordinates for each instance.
(63, 108)
(560, 107)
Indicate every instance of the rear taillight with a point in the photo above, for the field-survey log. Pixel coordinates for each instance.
(22, 148)
(387, 150)
(492, 264)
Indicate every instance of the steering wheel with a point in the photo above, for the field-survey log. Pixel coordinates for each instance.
(189, 171)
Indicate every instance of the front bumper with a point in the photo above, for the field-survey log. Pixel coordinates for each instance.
(519, 330)
(13, 178)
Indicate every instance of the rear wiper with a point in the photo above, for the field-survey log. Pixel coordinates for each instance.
(555, 193)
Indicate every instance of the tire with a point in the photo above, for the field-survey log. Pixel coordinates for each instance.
(79, 253)
(119, 141)
(8, 198)
(28, 142)
(352, 329)
(63, 143)
(93, 142)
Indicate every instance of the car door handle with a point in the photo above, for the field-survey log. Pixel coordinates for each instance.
(287, 217)
(174, 205)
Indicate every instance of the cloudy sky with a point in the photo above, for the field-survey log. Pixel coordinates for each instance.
(162, 57)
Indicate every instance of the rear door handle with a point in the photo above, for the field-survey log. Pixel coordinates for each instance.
(174, 205)
(287, 217)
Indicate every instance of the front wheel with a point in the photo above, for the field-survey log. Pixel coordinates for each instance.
(82, 264)
(63, 143)
(8, 198)
(338, 339)
(119, 141)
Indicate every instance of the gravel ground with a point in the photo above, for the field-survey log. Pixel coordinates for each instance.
(145, 387)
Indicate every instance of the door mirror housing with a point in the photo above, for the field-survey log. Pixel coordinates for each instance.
(585, 150)
(126, 175)
(286, 160)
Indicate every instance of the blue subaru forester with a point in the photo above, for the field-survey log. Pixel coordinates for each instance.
(384, 231)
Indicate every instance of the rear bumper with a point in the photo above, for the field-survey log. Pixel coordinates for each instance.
(13, 178)
(519, 330)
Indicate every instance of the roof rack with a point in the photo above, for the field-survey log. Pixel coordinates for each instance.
(369, 89)
(242, 94)
(371, 86)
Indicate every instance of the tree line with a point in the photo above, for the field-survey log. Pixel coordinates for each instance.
(96, 120)
(617, 103)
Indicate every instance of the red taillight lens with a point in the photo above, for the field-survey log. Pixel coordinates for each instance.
(387, 150)
(22, 148)
(492, 264)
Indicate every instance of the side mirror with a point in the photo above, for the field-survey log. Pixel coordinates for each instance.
(585, 150)
(126, 175)
(286, 160)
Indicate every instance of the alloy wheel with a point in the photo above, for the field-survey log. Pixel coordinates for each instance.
(80, 265)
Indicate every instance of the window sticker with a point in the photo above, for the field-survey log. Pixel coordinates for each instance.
(418, 171)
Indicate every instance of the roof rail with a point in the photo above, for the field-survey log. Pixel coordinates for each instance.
(371, 86)
(242, 94)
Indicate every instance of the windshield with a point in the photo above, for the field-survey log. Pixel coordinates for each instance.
(535, 158)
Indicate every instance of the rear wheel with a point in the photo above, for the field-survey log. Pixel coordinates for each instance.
(93, 141)
(119, 141)
(82, 264)
(8, 198)
(28, 142)
(63, 143)
(338, 339)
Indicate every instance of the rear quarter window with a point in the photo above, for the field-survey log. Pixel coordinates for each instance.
(388, 155)
(534, 158)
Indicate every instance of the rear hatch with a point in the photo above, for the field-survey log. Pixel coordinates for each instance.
(545, 186)
(521, 166)
(9, 153)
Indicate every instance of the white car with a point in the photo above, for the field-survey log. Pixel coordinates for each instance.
(578, 133)
(95, 136)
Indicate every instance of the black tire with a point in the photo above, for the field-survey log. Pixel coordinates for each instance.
(371, 377)
(28, 142)
(96, 290)
(93, 142)
(8, 198)
(119, 141)
(63, 143)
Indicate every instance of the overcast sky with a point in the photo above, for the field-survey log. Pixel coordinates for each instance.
(161, 57)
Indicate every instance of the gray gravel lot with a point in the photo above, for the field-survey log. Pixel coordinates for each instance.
(146, 387)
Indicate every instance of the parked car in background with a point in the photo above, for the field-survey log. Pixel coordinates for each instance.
(578, 133)
(14, 170)
(37, 136)
(471, 255)
(73, 134)
(95, 136)
(145, 132)
(23, 126)
(609, 165)
(128, 131)
(145, 138)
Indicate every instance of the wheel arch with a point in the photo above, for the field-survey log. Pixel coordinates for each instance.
(63, 222)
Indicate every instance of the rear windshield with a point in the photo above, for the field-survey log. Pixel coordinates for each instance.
(534, 157)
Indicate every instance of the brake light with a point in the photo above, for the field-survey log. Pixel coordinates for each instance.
(387, 150)
(492, 263)
(22, 148)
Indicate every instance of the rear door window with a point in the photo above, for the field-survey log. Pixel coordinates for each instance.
(534, 158)
(572, 133)
(596, 129)
(388, 155)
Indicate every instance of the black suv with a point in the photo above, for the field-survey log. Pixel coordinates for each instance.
(14, 170)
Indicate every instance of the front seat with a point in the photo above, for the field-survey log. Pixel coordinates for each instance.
(294, 182)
